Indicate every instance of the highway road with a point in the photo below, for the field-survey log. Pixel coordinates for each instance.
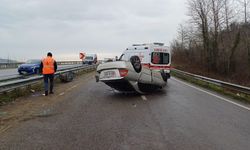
(93, 116)
(8, 73)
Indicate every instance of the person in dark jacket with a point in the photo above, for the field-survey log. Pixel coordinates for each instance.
(48, 67)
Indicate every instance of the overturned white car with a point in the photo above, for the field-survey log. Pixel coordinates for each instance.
(141, 68)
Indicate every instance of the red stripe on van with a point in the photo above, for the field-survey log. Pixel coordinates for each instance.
(156, 67)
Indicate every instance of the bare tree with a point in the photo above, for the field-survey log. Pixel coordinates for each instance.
(217, 41)
(199, 11)
(215, 15)
(245, 35)
(229, 37)
(228, 14)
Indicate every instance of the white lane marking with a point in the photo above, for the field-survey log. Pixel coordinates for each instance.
(222, 98)
(71, 88)
(61, 94)
(74, 86)
(144, 97)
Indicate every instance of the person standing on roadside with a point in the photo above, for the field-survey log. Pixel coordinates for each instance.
(48, 68)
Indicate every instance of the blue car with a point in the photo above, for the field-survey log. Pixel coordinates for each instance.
(32, 66)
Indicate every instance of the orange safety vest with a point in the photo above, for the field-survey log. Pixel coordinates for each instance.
(48, 65)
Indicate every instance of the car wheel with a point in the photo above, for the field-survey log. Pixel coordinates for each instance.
(136, 63)
(66, 77)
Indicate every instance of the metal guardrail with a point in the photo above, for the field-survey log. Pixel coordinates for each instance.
(9, 65)
(231, 86)
(25, 76)
(68, 62)
(15, 65)
(11, 85)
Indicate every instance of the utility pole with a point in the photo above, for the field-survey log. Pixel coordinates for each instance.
(245, 8)
(8, 60)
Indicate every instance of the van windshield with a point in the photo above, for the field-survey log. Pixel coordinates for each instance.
(160, 58)
(89, 58)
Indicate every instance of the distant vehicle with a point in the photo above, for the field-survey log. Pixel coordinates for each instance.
(90, 59)
(141, 68)
(31, 66)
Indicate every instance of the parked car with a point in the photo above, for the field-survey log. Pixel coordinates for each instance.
(141, 68)
(31, 66)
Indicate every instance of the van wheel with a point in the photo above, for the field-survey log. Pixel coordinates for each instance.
(136, 63)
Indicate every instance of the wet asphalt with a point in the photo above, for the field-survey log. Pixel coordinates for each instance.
(94, 117)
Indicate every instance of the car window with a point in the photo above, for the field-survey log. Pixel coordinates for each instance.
(160, 58)
(89, 58)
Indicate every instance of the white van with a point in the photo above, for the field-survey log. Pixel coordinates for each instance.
(90, 59)
(155, 56)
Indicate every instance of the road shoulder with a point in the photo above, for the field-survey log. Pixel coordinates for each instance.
(35, 105)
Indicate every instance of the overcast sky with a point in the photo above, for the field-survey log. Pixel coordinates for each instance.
(31, 28)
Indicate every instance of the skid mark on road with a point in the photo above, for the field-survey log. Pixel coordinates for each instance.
(222, 98)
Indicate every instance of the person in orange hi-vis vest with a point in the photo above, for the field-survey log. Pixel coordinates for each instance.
(48, 68)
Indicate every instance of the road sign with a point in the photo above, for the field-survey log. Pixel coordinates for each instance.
(82, 55)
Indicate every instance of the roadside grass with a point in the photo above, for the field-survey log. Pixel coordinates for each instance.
(12, 95)
(222, 90)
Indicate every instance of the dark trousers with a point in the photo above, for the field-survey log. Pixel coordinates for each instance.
(48, 80)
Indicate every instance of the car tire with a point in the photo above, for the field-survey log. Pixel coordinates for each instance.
(136, 63)
(66, 77)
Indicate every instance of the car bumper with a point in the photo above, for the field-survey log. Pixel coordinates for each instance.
(29, 71)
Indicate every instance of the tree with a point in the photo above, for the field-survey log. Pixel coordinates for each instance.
(198, 11)
(216, 10)
(218, 41)
(228, 14)
(246, 36)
